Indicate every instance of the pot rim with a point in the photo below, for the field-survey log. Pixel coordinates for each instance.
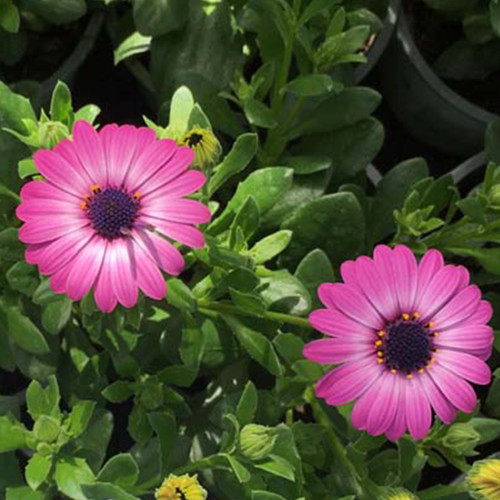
(438, 85)
(381, 41)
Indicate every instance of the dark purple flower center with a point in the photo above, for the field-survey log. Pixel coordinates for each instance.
(112, 211)
(406, 346)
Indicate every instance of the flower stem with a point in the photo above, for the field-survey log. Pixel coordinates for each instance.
(336, 445)
(228, 308)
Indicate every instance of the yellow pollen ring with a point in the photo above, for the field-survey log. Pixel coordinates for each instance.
(380, 354)
(137, 195)
(394, 371)
(95, 188)
(381, 333)
(416, 315)
(409, 376)
(421, 370)
(86, 197)
(378, 343)
(84, 205)
(406, 316)
(380, 360)
(430, 324)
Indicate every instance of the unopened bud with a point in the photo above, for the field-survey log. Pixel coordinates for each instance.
(256, 441)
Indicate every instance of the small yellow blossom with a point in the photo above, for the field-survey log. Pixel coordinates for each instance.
(483, 480)
(205, 145)
(181, 488)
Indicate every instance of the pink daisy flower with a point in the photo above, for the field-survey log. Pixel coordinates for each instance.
(408, 337)
(104, 216)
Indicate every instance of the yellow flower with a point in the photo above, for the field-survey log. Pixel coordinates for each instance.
(205, 145)
(181, 488)
(483, 480)
(399, 494)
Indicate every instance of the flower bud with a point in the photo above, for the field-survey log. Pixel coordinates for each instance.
(494, 197)
(399, 494)
(205, 145)
(51, 133)
(462, 438)
(483, 480)
(256, 441)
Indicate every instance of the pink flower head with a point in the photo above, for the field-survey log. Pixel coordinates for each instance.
(408, 337)
(103, 217)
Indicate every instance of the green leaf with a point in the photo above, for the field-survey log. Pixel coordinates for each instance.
(42, 401)
(9, 16)
(488, 429)
(80, 417)
(180, 296)
(313, 270)
(159, 17)
(23, 331)
(106, 491)
(492, 146)
(70, 474)
(24, 493)
(118, 391)
(277, 466)
(266, 495)
(391, 193)
(270, 246)
(306, 165)
(47, 429)
(289, 346)
(246, 222)
(266, 185)
(61, 108)
(310, 85)
(165, 427)
(493, 399)
(247, 405)
(334, 223)
(12, 434)
(495, 15)
(240, 471)
(257, 113)
(88, 113)
(240, 155)
(56, 315)
(60, 12)
(37, 470)
(257, 345)
(26, 167)
(314, 7)
(488, 258)
(134, 44)
(121, 470)
(23, 277)
(14, 108)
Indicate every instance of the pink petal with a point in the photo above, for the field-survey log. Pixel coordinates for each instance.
(66, 176)
(149, 277)
(443, 408)
(454, 388)
(85, 268)
(347, 382)
(59, 279)
(335, 351)
(148, 162)
(384, 407)
(377, 288)
(466, 337)
(351, 302)
(187, 183)
(123, 271)
(438, 292)
(348, 273)
(418, 410)
(59, 252)
(334, 323)
(103, 294)
(43, 208)
(405, 277)
(465, 365)
(183, 233)
(87, 145)
(180, 210)
(175, 166)
(459, 309)
(398, 426)
(432, 262)
(42, 190)
(46, 229)
(166, 256)
(483, 314)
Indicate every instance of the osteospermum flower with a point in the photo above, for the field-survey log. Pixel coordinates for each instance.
(408, 337)
(483, 479)
(107, 211)
(181, 488)
(205, 145)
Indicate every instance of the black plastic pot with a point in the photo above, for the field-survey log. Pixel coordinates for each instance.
(430, 110)
(381, 42)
